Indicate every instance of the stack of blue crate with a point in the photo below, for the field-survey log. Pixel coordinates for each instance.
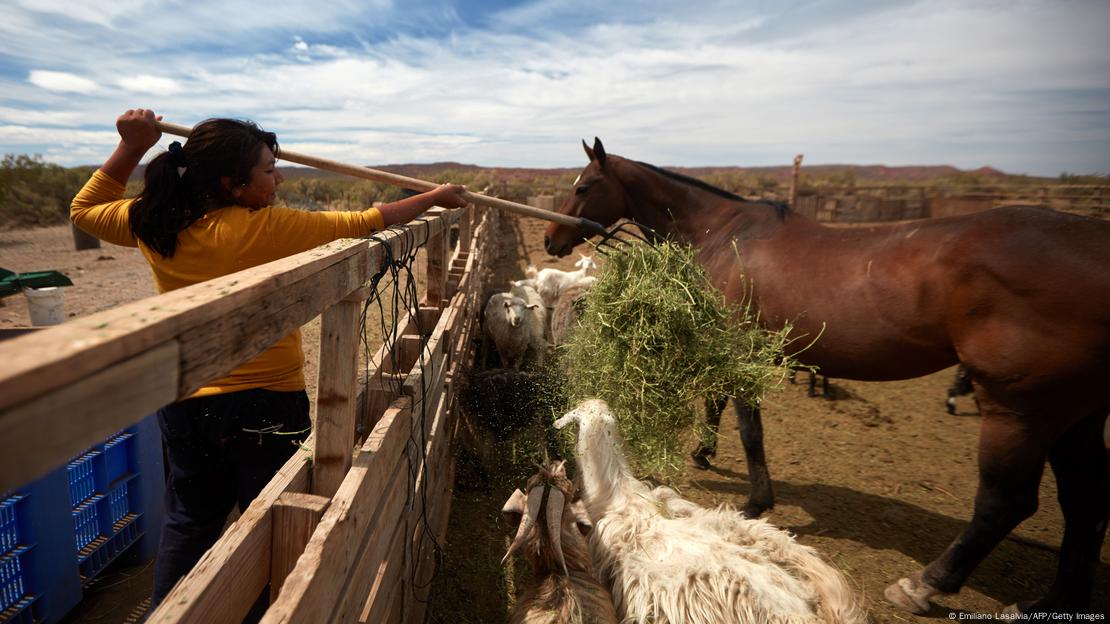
(58, 532)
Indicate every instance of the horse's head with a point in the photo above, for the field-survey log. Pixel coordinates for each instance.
(597, 196)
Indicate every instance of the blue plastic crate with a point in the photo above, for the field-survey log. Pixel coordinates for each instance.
(101, 507)
(86, 521)
(117, 455)
(12, 586)
(119, 503)
(92, 561)
(82, 477)
(9, 528)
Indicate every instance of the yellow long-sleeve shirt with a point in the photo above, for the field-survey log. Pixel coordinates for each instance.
(221, 242)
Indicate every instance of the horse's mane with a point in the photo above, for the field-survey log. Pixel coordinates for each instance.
(781, 208)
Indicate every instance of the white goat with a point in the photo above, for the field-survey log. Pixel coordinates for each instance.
(550, 282)
(551, 529)
(516, 328)
(672, 561)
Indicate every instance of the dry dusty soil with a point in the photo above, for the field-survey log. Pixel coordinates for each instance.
(880, 479)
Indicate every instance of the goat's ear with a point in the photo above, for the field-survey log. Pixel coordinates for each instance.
(515, 507)
(581, 518)
(560, 468)
(532, 306)
(599, 152)
(589, 152)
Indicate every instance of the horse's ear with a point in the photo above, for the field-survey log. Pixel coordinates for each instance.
(599, 152)
(589, 152)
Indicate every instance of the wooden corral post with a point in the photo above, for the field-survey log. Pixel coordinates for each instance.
(83, 240)
(295, 518)
(437, 270)
(466, 227)
(794, 180)
(336, 397)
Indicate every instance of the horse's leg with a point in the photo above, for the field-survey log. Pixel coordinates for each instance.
(1011, 461)
(812, 392)
(1083, 487)
(761, 497)
(825, 387)
(708, 446)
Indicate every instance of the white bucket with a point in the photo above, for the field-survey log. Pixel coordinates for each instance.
(45, 305)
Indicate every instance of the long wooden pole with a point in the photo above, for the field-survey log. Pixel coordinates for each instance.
(586, 225)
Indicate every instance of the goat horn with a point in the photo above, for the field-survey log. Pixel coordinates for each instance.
(526, 523)
(554, 514)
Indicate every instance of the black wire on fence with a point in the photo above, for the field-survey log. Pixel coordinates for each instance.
(405, 302)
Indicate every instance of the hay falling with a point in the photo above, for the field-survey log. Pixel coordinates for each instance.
(655, 339)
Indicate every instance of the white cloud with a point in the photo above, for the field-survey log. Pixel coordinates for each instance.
(1022, 85)
(61, 81)
(154, 85)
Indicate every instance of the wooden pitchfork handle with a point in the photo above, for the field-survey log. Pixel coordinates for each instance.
(586, 225)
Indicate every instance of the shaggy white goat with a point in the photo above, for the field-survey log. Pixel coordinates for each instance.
(672, 561)
(550, 282)
(516, 328)
(551, 529)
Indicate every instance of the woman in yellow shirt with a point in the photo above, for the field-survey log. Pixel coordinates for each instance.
(205, 211)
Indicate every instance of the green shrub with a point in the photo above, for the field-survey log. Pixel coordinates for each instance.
(33, 192)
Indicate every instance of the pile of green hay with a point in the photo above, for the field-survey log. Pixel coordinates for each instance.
(655, 339)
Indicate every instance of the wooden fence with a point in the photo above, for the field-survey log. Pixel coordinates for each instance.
(347, 530)
(863, 204)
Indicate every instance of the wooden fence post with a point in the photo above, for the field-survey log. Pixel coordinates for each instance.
(295, 518)
(794, 180)
(336, 397)
(82, 239)
(466, 227)
(437, 269)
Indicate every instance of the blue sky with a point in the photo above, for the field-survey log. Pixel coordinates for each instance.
(1021, 85)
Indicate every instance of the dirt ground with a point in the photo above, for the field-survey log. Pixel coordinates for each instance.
(879, 480)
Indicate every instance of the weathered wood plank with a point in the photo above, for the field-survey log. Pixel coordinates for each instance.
(375, 555)
(436, 253)
(423, 545)
(311, 587)
(295, 518)
(390, 541)
(55, 358)
(336, 397)
(212, 350)
(360, 582)
(39, 363)
(47, 431)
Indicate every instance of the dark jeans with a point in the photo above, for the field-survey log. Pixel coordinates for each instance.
(221, 450)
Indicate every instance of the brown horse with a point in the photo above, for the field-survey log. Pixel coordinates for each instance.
(1020, 295)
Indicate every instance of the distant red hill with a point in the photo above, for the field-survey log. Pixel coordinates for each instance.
(861, 173)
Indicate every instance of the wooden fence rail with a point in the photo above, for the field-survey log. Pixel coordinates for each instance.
(346, 530)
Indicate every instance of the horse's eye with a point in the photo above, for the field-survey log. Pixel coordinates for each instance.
(581, 190)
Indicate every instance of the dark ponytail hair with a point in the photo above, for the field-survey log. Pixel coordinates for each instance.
(184, 183)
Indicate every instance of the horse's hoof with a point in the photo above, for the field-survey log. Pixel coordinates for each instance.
(950, 405)
(910, 594)
(701, 461)
(752, 511)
